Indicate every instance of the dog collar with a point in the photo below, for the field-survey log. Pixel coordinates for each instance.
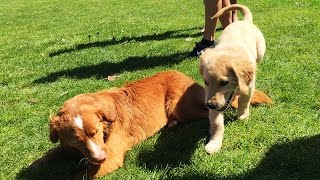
(226, 105)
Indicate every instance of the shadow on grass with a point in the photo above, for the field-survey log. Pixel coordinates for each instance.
(169, 34)
(106, 68)
(176, 145)
(298, 159)
(56, 164)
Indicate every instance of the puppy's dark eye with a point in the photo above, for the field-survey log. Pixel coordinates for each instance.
(205, 82)
(223, 82)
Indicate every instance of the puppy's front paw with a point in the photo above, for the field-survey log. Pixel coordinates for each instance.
(243, 113)
(213, 147)
(244, 116)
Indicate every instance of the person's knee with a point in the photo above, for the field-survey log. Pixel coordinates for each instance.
(226, 19)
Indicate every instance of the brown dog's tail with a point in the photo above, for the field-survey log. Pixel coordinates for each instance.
(247, 15)
(257, 98)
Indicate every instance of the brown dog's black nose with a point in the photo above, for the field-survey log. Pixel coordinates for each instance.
(211, 105)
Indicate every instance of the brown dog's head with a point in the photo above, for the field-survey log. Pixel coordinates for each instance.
(222, 75)
(85, 122)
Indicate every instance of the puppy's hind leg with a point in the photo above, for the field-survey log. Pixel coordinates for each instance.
(216, 131)
(244, 102)
(261, 46)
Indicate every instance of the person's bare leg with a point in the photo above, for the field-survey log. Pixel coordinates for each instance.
(234, 13)
(211, 8)
(226, 18)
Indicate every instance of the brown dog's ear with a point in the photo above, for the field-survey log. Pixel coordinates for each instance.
(107, 115)
(245, 75)
(53, 128)
(110, 109)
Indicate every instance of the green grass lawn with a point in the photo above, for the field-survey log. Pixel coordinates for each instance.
(52, 50)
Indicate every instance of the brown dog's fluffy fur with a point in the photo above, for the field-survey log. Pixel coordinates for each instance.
(117, 119)
(106, 124)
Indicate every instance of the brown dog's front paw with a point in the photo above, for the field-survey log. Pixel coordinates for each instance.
(83, 175)
(86, 174)
(78, 176)
(173, 123)
(85, 170)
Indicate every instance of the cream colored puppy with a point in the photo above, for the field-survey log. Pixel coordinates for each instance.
(230, 68)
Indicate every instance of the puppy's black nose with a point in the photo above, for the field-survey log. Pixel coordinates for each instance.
(211, 105)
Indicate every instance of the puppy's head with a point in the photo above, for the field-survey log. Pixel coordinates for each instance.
(84, 123)
(222, 76)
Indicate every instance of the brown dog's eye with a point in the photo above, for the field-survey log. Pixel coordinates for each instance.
(91, 133)
(223, 82)
(103, 118)
(107, 126)
(105, 137)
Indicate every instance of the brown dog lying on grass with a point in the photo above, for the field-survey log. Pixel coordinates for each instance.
(104, 125)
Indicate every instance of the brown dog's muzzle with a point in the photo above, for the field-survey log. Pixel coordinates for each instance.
(98, 159)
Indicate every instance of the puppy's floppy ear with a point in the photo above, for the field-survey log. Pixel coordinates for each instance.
(205, 57)
(54, 120)
(245, 72)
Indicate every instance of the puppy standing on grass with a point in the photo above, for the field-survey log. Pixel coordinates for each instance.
(230, 68)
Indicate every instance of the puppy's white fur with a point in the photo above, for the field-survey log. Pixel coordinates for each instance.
(230, 67)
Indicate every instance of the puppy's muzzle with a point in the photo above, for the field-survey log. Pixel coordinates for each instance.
(211, 105)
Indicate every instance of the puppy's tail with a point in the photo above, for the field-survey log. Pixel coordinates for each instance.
(247, 15)
(257, 99)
